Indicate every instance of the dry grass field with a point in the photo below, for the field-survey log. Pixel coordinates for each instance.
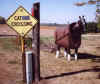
(53, 71)
(47, 31)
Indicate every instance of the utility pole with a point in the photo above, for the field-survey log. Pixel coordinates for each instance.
(36, 43)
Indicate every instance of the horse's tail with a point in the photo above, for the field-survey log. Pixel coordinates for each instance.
(55, 37)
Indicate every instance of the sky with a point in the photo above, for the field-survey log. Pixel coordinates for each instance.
(51, 11)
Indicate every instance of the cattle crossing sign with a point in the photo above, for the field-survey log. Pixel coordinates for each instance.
(21, 21)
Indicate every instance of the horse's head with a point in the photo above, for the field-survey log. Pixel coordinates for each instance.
(77, 27)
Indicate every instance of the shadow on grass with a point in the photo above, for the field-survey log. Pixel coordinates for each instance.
(94, 69)
(93, 58)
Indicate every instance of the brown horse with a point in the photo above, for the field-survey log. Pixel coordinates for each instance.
(69, 38)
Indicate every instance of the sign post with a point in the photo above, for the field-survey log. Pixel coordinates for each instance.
(22, 22)
(23, 58)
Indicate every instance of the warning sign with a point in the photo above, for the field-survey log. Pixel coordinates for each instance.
(21, 21)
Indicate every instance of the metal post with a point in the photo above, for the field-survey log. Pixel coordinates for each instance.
(36, 43)
(29, 72)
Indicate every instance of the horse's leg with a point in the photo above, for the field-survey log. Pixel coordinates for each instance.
(58, 52)
(69, 56)
(65, 52)
(76, 53)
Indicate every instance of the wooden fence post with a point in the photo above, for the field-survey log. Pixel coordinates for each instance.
(36, 43)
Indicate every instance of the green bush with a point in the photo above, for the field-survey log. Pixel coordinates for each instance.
(2, 20)
(98, 25)
(92, 27)
(28, 42)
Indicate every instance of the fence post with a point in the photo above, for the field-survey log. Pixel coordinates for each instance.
(36, 43)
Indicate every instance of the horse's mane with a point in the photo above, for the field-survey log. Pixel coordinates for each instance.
(72, 24)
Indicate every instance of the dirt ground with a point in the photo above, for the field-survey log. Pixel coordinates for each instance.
(55, 71)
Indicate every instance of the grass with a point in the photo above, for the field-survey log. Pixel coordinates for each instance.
(9, 44)
(46, 39)
(12, 62)
(90, 38)
(12, 44)
(84, 38)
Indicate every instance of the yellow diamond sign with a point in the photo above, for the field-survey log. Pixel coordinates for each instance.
(21, 21)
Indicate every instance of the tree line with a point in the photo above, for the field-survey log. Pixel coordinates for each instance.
(92, 27)
(2, 20)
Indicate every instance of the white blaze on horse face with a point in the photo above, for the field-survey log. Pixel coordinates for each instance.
(65, 54)
(76, 56)
(69, 57)
(57, 53)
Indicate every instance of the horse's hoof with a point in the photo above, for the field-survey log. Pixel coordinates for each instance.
(69, 57)
(69, 60)
(76, 57)
(57, 57)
